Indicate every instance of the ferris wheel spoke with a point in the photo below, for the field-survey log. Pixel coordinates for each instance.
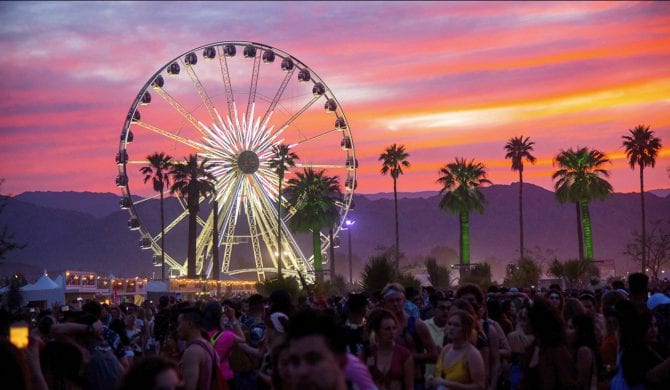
(176, 221)
(228, 236)
(225, 75)
(312, 138)
(320, 166)
(180, 109)
(295, 116)
(147, 198)
(278, 95)
(172, 136)
(253, 86)
(206, 100)
(204, 243)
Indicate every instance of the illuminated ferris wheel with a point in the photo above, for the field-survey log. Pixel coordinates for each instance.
(232, 102)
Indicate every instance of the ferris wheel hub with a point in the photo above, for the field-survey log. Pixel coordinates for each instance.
(248, 162)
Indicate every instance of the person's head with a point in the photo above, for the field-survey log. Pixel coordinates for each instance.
(163, 301)
(546, 324)
(638, 284)
(62, 364)
(472, 294)
(256, 304)
(572, 307)
(441, 305)
(280, 301)
(189, 323)
(393, 295)
(461, 304)
(93, 308)
(555, 298)
(460, 326)
(580, 332)
(211, 315)
(589, 303)
(316, 351)
(155, 373)
(357, 305)
(384, 323)
(618, 285)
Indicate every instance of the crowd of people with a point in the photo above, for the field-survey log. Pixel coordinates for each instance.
(616, 337)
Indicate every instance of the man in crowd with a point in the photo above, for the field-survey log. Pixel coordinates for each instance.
(199, 360)
(441, 305)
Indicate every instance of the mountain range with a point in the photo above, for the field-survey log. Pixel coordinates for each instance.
(88, 231)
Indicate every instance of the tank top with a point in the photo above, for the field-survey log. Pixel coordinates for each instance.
(457, 372)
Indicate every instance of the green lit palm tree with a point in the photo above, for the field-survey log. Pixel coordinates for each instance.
(641, 149)
(394, 159)
(191, 180)
(580, 179)
(313, 195)
(282, 159)
(518, 149)
(460, 182)
(158, 171)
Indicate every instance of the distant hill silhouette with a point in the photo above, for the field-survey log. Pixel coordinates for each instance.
(88, 231)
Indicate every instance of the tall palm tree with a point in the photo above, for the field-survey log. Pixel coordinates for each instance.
(191, 180)
(641, 149)
(518, 149)
(460, 183)
(158, 171)
(580, 179)
(393, 160)
(313, 195)
(282, 159)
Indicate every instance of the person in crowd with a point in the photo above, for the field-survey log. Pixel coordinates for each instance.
(481, 341)
(638, 288)
(460, 365)
(549, 363)
(519, 341)
(222, 340)
(354, 326)
(152, 373)
(591, 309)
(62, 365)
(199, 360)
(113, 338)
(162, 322)
(316, 352)
(572, 307)
(555, 298)
(638, 365)
(390, 363)
(441, 305)
(581, 339)
(412, 332)
(494, 334)
(245, 364)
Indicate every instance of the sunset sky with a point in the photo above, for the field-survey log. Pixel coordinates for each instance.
(444, 79)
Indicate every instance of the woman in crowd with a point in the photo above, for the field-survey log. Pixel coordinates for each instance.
(581, 338)
(549, 363)
(555, 298)
(571, 308)
(390, 364)
(460, 365)
(222, 340)
(519, 341)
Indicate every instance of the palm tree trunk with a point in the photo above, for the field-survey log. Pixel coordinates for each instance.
(644, 224)
(318, 261)
(397, 238)
(215, 244)
(464, 219)
(279, 249)
(162, 239)
(192, 226)
(332, 253)
(521, 213)
(580, 236)
(588, 234)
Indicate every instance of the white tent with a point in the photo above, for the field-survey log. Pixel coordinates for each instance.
(44, 289)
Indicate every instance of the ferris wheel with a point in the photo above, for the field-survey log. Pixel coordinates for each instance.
(231, 102)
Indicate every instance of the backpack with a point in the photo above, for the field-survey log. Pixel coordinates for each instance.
(218, 381)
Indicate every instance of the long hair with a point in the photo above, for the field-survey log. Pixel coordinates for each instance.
(547, 324)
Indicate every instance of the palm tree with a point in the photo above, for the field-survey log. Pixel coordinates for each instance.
(460, 183)
(282, 159)
(641, 149)
(191, 180)
(518, 149)
(579, 180)
(313, 195)
(158, 171)
(393, 160)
